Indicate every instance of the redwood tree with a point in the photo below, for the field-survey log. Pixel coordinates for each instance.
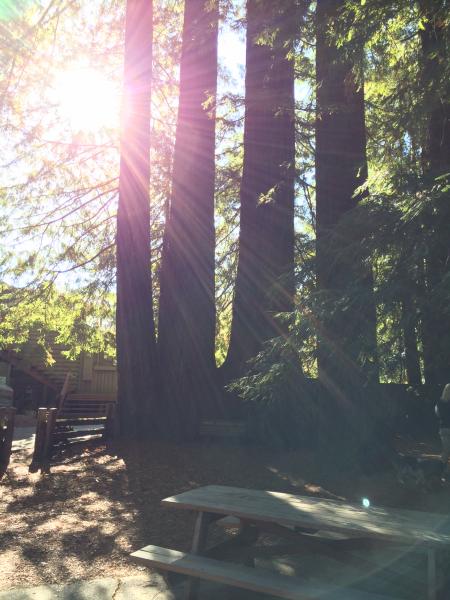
(186, 336)
(264, 281)
(347, 333)
(435, 40)
(136, 350)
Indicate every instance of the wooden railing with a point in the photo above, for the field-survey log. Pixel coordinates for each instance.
(55, 426)
(63, 394)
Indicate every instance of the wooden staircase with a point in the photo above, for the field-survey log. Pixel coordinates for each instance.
(82, 405)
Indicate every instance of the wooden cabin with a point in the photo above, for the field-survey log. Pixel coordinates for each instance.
(37, 373)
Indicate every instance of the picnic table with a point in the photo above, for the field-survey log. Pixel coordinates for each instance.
(316, 523)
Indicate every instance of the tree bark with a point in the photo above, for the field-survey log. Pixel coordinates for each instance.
(186, 335)
(136, 349)
(436, 163)
(265, 273)
(347, 334)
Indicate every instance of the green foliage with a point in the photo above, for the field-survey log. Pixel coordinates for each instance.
(51, 316)
(283, 406)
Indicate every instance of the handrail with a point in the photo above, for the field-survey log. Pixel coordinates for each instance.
(64, 390)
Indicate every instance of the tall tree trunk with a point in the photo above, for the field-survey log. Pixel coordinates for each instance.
(136, 350)
(186, 335)
(265, 282)
(347, 340)
(412, 358)
(436, 163)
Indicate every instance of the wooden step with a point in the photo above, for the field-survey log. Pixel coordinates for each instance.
(88, 408)
(81, 421)
(65, 435)
(91, 397)
(83, 403)
(59, 444)
(257, 580)
(79, 412)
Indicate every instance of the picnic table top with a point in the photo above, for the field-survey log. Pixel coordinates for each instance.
(391, 524)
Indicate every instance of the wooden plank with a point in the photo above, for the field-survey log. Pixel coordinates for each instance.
(83, 411)
(92, 396)
(80, 421)
(256, 580)
(84, 414)
(83, 404)
(78, 441)
(85, 408)
(65, 435)
(401, 526)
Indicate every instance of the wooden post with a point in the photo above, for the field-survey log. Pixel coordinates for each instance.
(43, 441)
(39, 439)
(109, 432)
(198, 545)
(6, 436)
(50, 426)
(431, 568)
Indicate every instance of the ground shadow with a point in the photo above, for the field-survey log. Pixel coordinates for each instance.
(99, 504)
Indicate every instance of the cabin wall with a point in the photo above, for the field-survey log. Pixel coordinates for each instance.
(97, 375)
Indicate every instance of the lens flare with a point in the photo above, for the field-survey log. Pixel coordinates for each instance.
(87, 100)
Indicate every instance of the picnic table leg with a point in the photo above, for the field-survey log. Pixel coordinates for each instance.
(198, 545)
(249, 534)
(431, 572)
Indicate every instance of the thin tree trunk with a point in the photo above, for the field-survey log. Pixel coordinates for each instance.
(347, 337)
(412, 358)
(436, 163)
(186, 335)
(136, 350)
(264, 282)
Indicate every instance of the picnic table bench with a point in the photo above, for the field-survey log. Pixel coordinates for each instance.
(315, 523)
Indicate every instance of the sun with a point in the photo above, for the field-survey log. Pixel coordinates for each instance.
(87, 100)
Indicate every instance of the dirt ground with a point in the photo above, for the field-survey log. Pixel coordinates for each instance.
(83, 519)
